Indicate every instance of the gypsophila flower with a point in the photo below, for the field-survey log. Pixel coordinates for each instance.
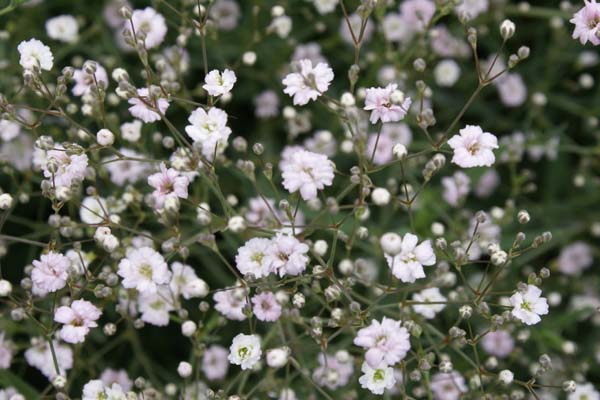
(384, 106)
(110, 376)
(587, 22)
(245, 351)
(575, 258)
(308, 83)
(155, 306)
(50, 273)
(35, 54)
(186, 283)
(334, 371)
(78, 318)
(266, 307)
(63, 28)
(97, 389)
(386, 342)
(40, 356)
(584, 391)
(168, 183)
(448, 386)
(473, 147)
(231, 303)
(529, 305)
(149, 24)
(377, 379)
(307, 173)
(85, 81)
(251, 258)
(209, 130)
(287, 255)
(143, 269)
(499, 343)
(456, 188)
(6, 352)
(145, 108)
(408, 264)
(93, 210)
(417, 13)
(219, 83)
(430, 295)
(215, 363)
(69, 169)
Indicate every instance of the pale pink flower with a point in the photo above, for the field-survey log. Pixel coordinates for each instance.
(456, 188)
(6, 352)
(449, 386)
(380, 102)
(214, 362)
(168, 183)
(266, 307)
(143, 269)
(70, 168)
(408, 264)
(307, 172)
(417, 13)
(126, 170)
(145, 108)
(429, 295)
(287, 255)
(84, 81)
(356, 23)
(110, 376)
(308, 83)
(78, 318)
(334, 371)
(473, 147)
(512, 90)
(529, 305)
(386, 342)
(231, 303)
(587, 21)
(266, 104)
(575, 258)
(50, 273)
(487, 183)
(498, 343)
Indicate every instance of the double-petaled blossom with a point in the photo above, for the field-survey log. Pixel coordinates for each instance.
(77, 320)
(386, 104)
(587, 22)
(386, 342)
(473, 147)
(407, 264)
(308, 83)
(168, 183)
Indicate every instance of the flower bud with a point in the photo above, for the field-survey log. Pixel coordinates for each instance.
(507, 29)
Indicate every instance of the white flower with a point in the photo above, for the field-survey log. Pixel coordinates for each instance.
(93, 210)
(35, 54)
(408, 264)
(63, 28)
(377, 380)
(386, 342)
(278, 357)
(387, 104)
(68, 169)
(251, 258)
(325, 6)
(529, 305)
(287, 255)
(209, 130)
(217, 83)
(473, 147)
(145, 108)
(506, 376)
(149, 24)
(131, 131)
(307, 172)
(584, 391)
(446, 73)
(184, 281)
(84, 81)
(78, 318)
(41, 357)
(155, 306)
(309, 83)
(430, 295)
(245, 350)
(143, 269)
(97, 389)
(50, 273)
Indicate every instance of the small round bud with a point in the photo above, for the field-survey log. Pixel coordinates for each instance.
(399, 151)
(184, 369)
(506, 377)
(188, 328)
(6, 201)
(381, 196)
(507, 29)
(391, 243)
(320, 247)
(523, 217)
(569, 386)
(249, 58)
(236, 224)
(5, 288)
